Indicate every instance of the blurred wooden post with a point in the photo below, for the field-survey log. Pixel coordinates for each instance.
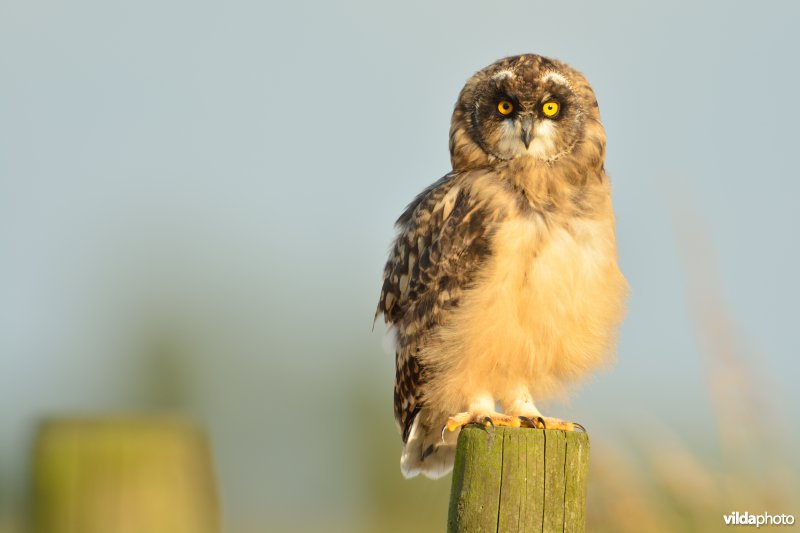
(519, 479)
(123, 475)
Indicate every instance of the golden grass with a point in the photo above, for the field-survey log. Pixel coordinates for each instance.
(662, 484)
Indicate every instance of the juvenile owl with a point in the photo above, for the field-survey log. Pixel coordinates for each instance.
(502, 286)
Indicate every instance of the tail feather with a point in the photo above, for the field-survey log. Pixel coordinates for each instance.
(428, 451)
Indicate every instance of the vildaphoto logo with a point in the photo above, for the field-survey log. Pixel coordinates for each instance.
(764, 519)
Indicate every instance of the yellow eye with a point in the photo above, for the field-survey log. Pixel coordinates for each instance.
(550, 108)
(505, 107)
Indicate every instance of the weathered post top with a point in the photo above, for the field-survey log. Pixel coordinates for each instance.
(519, 479)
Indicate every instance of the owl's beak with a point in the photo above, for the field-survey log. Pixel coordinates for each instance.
(527, 130)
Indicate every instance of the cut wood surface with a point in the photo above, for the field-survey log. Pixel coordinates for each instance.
(519, 479)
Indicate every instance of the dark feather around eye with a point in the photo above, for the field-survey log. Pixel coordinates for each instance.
(499, 99)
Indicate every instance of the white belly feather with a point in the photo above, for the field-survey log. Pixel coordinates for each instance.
(543, 313)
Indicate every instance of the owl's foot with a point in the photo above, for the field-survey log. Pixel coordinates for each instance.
(484, 419)
(545, 422)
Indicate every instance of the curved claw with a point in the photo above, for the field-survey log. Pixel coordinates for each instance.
(444, 428)
(579, 426)
(488, 422)
(536, 422)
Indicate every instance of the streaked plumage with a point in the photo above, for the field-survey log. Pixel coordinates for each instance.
(503, 284)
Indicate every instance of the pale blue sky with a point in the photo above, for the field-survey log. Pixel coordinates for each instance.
(226, 176)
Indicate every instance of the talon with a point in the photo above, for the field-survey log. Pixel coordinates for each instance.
(528, 421)
(562, 425)
(492, 420)
(444, 428)
(542, 422)
(535, 422)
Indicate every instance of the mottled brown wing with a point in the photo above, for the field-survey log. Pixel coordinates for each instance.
(443, 238)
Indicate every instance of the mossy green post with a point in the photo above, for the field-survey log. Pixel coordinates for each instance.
(518, 479)
(123, 474)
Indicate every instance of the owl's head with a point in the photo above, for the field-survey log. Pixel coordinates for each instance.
(525, 106)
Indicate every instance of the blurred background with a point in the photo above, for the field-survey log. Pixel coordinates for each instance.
(197, 199)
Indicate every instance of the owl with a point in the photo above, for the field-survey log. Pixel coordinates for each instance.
(502, 288)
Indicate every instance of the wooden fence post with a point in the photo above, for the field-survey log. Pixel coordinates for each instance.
(519, 479)
(126, 474)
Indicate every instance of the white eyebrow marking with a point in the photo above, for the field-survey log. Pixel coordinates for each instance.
(503, 74)
(556, 77)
